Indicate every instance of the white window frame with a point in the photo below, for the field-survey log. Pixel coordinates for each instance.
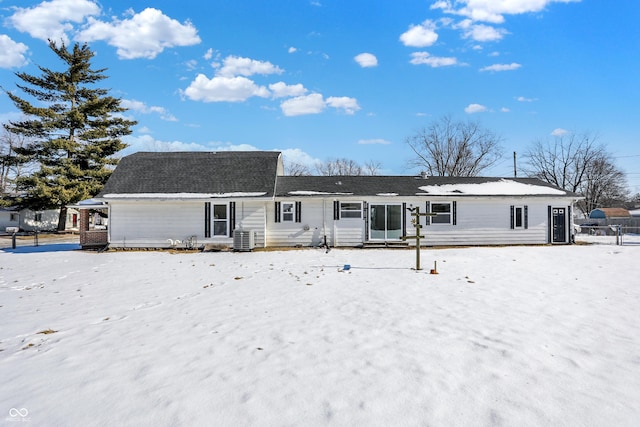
(288, 212)
(518, 217)
(449, 214)
(349, 213)
(214, 220)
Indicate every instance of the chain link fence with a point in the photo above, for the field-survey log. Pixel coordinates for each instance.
(618, 231)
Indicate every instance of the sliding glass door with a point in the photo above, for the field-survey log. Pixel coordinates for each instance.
(385, 222)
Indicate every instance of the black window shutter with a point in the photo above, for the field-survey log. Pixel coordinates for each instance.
(549, 224)
(298, 211)
(365, 212)
(277, 212)
(207, 219)
(336, 210)
(232, 218)
(513, 222)
(427, 219)
(526, 217)
(455, 213)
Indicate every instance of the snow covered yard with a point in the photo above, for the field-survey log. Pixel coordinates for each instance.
(524, 336)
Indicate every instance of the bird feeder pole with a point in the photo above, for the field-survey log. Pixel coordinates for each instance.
(415, 213)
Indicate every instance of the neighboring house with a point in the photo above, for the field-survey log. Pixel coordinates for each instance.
(161, 200)
(28, 220)
(609, 213)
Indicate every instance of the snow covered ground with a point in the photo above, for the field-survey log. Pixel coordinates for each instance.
(513, 336)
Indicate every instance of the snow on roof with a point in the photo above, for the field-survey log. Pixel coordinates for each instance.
(387, 194)
(504, 187)
(181, 195)
(90, 202)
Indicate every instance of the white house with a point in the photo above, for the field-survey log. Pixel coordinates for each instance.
(29, 220)
(161, 200)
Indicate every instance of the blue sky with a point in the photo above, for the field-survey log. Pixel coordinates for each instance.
(329, 78)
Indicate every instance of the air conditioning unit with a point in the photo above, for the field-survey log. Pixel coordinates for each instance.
(244, 240)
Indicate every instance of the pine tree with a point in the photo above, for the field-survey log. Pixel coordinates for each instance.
(75, 131)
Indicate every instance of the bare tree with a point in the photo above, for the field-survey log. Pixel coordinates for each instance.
(296, 169)
(346, 167)
(563, 160)
(12, 163)
(371, 168)
(575, 162)
(454, 148)
(604, 185)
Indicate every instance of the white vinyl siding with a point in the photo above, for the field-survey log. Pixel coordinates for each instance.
(486, 221)
(153, 223)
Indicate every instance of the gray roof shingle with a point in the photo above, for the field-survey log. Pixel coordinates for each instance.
(256, 172)
(379, 185)
(195, 172)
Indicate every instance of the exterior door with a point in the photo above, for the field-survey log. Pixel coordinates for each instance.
(559, 224)
(385, 222)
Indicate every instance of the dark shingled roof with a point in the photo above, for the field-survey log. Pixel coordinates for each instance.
(195, 172)
(374, 185)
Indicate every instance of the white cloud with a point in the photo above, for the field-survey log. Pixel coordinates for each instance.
(238, 66)
(297, 156)
(374, 141)
(52, 19)
(492, 10)
(223, 89)
(149, 143)
(292, 50)
(141, 107)
(419, 58)
(348, 105)
(283, 90)
(12, 54)
(302, 105)
(502, 67)
(523, 99)
(366, 60)
(475, 108)
(144, 35)
(421, 35)
(483, 33)
(314, 104)
(559, 132)
(505, 110)
(191, 64)
(208, 54)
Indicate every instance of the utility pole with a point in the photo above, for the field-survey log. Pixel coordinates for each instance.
(515, 170)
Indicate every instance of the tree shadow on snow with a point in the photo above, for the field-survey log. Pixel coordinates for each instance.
(54, 247)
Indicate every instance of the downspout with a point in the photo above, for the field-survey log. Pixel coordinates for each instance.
(334, 228)
(264, 223)
(108, 224)
(324, 221)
